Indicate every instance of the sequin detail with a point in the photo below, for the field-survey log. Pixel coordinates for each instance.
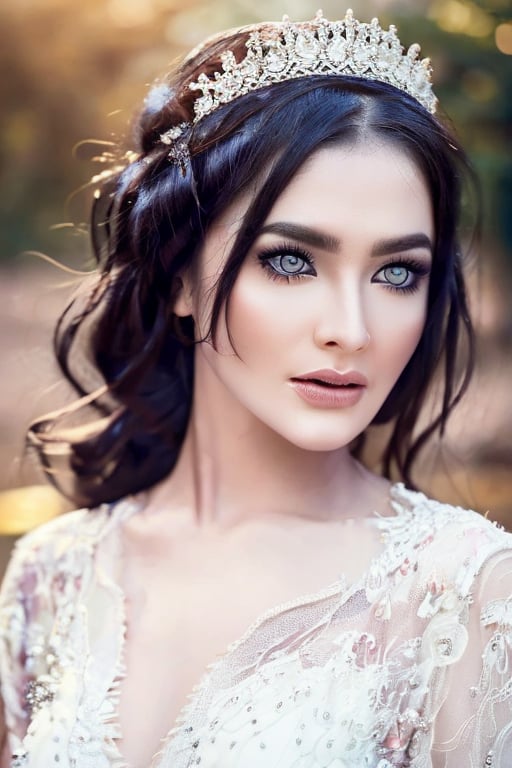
(350, 675)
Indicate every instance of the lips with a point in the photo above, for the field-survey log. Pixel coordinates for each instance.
(332, 378)
(328, 388)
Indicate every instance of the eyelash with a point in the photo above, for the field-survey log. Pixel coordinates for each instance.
(417, 269)
(288, 249)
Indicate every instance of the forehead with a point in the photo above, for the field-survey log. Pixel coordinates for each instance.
(373, 186)
(357, 193)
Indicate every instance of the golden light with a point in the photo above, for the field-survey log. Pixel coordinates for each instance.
(462, 17)
(503, 36)
(22, 509)
(131, 13)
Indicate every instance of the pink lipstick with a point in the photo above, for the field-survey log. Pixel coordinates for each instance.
(327, 388)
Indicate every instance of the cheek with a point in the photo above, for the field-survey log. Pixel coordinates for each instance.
(258, 319)
(397, 330)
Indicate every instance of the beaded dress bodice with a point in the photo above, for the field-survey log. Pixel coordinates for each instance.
(409, 665)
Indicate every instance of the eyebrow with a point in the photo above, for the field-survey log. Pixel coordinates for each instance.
(299, 232)
(317, 239)
(405, 243)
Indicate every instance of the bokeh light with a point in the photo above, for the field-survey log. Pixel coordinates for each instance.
(462, 17)
(503, 36)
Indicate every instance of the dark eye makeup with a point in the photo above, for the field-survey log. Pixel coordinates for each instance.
(403, 274)
(289, 261)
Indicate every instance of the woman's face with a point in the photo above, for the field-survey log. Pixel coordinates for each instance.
(330, 302)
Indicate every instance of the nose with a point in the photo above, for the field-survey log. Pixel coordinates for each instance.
(341, 321)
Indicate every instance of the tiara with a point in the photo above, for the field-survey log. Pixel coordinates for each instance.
(319, 47)
(287, 50)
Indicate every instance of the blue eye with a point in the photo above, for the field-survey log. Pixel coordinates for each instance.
(402, 275)
(290, 263)
(286, 262)
(396, 275)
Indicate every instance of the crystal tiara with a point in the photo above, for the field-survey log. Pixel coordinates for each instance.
(288, 50)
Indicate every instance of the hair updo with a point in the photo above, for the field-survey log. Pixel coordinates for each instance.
(121, 346)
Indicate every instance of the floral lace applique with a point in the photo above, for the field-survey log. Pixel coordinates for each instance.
(354, 675)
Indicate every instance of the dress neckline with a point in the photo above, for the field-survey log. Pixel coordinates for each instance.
(124, 509)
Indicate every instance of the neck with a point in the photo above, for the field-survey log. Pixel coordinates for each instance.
(233, 468)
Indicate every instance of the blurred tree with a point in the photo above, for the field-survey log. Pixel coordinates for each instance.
(474, 82)
(76, 70)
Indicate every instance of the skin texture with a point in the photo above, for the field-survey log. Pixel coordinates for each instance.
(265, 481)
(345, 317)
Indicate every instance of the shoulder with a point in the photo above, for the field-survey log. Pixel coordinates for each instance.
(457, 598)
(51, 570)
(448, 541)
(447, 524)
(56, 541)
(63, 546)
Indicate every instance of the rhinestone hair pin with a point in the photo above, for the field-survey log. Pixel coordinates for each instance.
(175, 139)
(288, 50)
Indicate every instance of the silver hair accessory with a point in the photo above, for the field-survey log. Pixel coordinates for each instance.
(175, 139)
(288, 50)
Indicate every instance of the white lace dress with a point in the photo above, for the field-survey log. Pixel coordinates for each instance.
(411, 665)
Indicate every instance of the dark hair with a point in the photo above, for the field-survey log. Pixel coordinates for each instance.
(149, 221)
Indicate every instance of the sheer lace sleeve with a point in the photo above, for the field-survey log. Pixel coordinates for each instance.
(60, 639)
(474, 726)
(17, 599)
(37, 595)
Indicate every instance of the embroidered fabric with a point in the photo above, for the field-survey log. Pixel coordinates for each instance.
(411, 665)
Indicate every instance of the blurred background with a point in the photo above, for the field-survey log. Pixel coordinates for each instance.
(73, 73)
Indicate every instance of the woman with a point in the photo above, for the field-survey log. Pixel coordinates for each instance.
(279, 270)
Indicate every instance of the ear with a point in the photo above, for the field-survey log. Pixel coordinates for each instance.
(183, 303)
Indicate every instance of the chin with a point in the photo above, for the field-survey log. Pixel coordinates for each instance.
(320, 441)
